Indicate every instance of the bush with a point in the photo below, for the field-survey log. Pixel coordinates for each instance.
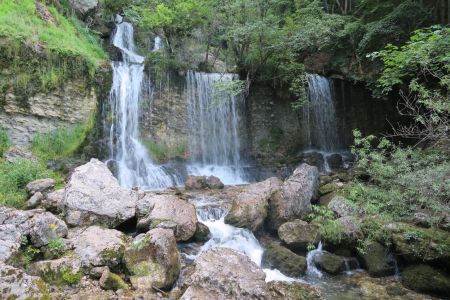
(15, 176)
(4, 141)
(61, 142)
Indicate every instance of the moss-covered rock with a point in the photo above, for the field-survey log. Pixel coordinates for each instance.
(59, 272)
(420, 244)
(330, 263)
(298, 234)
(202, 233)
(111, 281)
(426, 279)
(293, 290)
(283, 259)
(328, 188)
(377, 261)
(152, 259)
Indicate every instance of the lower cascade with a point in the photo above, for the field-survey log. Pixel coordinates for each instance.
(134, 166)
(214, 120)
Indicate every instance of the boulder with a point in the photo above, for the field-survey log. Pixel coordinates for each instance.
(84, 7)
(250, 204)
(58, 272)
(351, 230)
(111, 281)
(167, 211)
(44, 227)
(16, 153)
(97, 246)
(416, 244)
(10, 238)
(335, 161)
(377, 260)
(203, 182)
(202, 234)
(222, 273)
(16, 284)
(53, 201)
(293, 200)
(426, 279)
(298, 234)
(283, 259)
(152, 259)
(94, 196)
(329, 262)
(328, 188)
(341, 207)
(34, 200)
(40, 185)
(293, 291)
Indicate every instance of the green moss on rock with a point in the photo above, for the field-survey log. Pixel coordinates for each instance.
(426, 279)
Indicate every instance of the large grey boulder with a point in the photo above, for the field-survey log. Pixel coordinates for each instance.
(10, 237)
(293, 200)
(152, 260)
(97, 246)
(16, 284)
(44, 227)
(251, 203)
(167, 211)
(298, 234)
(329, 262)
(222, 273)
(94, 196)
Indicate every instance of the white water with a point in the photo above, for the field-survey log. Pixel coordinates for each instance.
(311, 268)
(319, 116)
(214, 143)
(158, 45)
(135, 168)
(225, 235)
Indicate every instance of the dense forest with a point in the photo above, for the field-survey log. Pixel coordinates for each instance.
(134, 83)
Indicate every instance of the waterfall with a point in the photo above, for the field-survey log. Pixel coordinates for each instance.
(319, 116)
(158, 44)
(134, 166)
(214, 143)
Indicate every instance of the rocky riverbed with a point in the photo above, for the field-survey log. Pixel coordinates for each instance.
(97, 240)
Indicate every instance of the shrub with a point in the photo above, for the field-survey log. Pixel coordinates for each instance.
(56, 247)
(4, 141)
(60, 142)
(15, 176)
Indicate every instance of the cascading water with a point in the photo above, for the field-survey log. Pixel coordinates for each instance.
(319, 116)
(134, 166)
(213, 125)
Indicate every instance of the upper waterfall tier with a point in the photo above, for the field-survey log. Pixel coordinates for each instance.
(135, 168)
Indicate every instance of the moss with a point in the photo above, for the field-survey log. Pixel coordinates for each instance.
(113, 282)
(61, 277)
(71, 278)
(425, 279)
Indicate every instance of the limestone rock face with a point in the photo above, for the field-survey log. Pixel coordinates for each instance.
(153, 259)
(298, 234)
(294, 198)
(251, 203)
(94, 196)
(283, 259)
(71, 104)
(16, 284)
(167, 211)
(203, 182)
(97, 246)
(222, 273)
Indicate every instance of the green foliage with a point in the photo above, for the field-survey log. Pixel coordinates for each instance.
(162, 152)
(330, 230)
(61, 142)
(41, 52)
(4, 141)
(15, 176)
(402, 180)
(70, 278)
(56, 247)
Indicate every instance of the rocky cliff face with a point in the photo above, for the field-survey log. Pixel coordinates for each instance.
(73, 103)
